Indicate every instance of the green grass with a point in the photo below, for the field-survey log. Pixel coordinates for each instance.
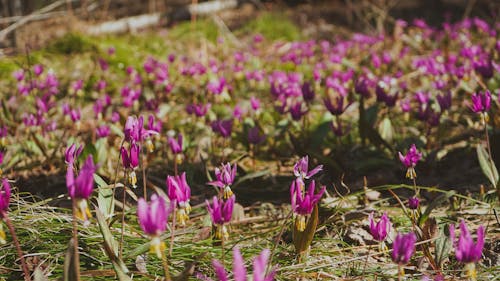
(273, 26)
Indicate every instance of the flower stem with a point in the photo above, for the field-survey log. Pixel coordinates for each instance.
(366, 261)
(282, 229)
(400, 273)
(222, 248)
(76, 255)
(488, 147)
(144, 159)
(8, 222)
(120, 252)
(164, 263)
(172, 234)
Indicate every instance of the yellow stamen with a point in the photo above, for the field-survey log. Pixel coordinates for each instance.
(410, 173)
(132, 179)
(470, 271)
(221, 232)
(150, 146)
(157, 246)
(83, 211)
(3, 141)
(182, 216)
(178, 158)
(2, 235)
(227, 192)
(300, 223)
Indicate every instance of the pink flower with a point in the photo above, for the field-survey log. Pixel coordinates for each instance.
(153, 219)
(224, 178)
(410, 161)
(301, 169)
(81, 188)
(239, 271)
(380, 229)
(466, 250)
(304, 202)
(221, 213)
(4, 197)
(403, 248)
(179, 193)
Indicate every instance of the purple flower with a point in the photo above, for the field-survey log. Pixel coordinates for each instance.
(179, 193)
(153, 219)
(481, 101)
(403, 248)
(38, 69)
(134, 130)
(239, 271)
(224, 178)
(337, 107)
(223, 127)
(221, 213)
(410, 161)
(4, 197)
(75, 115)
(297, 110)
(254, 136)
(130, 161)
(81, 188)
(254, 103)
(444, 100)
(175, 144)
(380, 229)
(303, 202)
(102, 131)
(466, 251)
(71, 153)
(301, 169)
(307, 92)
(413, 203)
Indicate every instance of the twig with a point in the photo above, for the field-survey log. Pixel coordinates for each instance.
(76, 256)
(17, 245)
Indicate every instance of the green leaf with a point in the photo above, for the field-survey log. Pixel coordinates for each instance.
(111, 248)
(386, 130)
(433, 205)
(302, 240)
(105, 200)
(69, 271)
(487, 165)
(443, 248)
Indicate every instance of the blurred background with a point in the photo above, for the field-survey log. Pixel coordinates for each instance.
(35, 22)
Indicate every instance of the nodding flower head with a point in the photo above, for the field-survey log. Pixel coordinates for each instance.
(481, 102)
(224, 178)
(303, 202)
(176, 144)
(4, 197)
(466, 251)
(410, 161)
(153, 219)
(81, 188)
(134, 130)
(380, 230)
(130, 161)
(403, 248)
(179, 193)
(413, 203)
(221, 213)
(223, 127)
(71, 153)
(301, 169)
(239, 271)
